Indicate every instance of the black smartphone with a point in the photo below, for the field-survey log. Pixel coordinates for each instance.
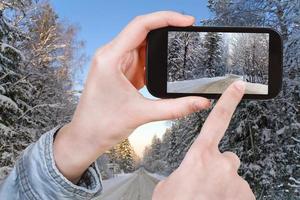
(204, 61)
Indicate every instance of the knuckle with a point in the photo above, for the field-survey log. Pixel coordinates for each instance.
(138, 18)
(232, 159)
(222, 112)
(235, 92)
(231, 155)
(176, 114)
(105, 54)
(227, 165)
(193, 106)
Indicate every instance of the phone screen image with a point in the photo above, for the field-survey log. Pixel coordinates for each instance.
(208, 62)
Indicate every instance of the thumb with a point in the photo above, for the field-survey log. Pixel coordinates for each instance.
(164, 109)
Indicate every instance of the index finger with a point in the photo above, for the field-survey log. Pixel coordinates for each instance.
(219, 118)
(136, 31)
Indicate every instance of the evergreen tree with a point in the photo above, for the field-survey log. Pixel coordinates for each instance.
(37, 62)
(124, 155)
(15, 91)
(184, 52)
(213, 55)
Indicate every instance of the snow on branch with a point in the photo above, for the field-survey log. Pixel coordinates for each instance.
(4, 46)
(297, 140)
(57, 105)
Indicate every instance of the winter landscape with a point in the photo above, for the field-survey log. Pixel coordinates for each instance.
(40, 53)
(210, 62)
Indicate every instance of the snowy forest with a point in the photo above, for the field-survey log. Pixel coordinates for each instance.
(39, 57)
(204, 62)
(264, 134)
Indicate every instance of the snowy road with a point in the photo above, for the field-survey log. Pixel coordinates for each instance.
(214, 85)
(137, 186)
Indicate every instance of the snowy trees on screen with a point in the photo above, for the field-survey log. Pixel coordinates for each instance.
(193, 55)
(249, 56)
(212, 54)
(213, 51)
(184, 51)
(36, 68)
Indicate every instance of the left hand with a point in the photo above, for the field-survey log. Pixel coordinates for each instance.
(111, 107)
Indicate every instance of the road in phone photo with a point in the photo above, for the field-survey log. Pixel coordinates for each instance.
(214, 85)
(138, 185)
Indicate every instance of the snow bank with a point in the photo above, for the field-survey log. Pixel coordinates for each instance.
(156, 176)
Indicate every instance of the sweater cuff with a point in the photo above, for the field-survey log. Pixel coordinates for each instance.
(90, 183)
(42, 160)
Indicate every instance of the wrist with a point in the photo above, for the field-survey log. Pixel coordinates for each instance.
(73, 153)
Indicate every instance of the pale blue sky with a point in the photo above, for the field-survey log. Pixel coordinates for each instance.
(100, 21)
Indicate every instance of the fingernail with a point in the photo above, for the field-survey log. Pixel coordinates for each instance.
(240, 85)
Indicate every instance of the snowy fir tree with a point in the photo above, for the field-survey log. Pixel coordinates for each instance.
(184, 52)
(119, 159)
(264, 134)
(126, 156)
(37, 53)
(250, 57)
(213, 55)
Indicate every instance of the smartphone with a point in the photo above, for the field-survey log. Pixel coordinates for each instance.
(204, 61)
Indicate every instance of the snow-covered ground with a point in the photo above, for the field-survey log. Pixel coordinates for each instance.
(213, 85)
(135, 186)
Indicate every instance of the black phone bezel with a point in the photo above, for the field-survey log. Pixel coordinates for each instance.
(156, 60)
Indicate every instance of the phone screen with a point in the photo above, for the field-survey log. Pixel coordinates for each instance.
(208, 62)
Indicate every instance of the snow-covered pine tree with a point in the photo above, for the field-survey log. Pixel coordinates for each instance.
(124, 155)
(184, 51)
(213, 55)
(152, 160)
(249, 56)
(15, 90)
(35, 80)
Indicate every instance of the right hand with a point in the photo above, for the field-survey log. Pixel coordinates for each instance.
(206, 173)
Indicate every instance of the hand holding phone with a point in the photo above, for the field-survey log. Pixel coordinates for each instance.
(204, 61)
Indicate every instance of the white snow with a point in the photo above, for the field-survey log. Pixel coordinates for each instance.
(297, 140)
(214, 85)
(8, 102)
(4, 45)
(2, 90)
(280, 131)
(188, 85)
